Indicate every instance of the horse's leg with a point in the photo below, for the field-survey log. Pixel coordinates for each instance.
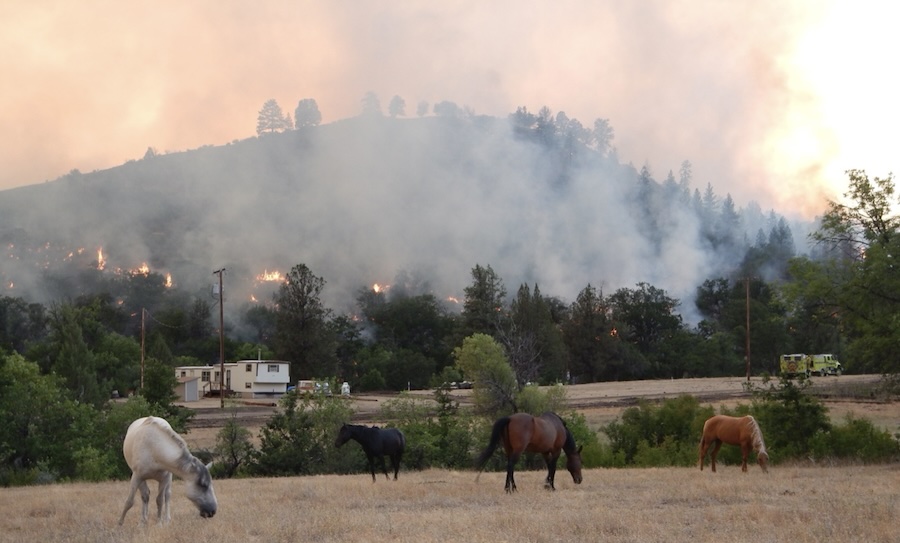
(704, 446)
(395, 464)
(745, 452)
(372, 466)
(145, 501)
(510, 464)
(384, 467)
(163, 497)
(715, 452)
(129, 501)
(551, 461)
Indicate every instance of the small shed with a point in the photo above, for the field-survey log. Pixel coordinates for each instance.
(188, 389)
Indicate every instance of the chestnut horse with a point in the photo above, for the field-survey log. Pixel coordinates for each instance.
(742, 431)
(546, 435)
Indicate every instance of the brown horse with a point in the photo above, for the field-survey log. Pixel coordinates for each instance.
(546, 435)
(742, 431)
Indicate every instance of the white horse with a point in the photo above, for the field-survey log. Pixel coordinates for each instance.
(153, 450)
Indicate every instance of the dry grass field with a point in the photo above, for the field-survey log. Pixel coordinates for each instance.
(790, 504)
(796, 503)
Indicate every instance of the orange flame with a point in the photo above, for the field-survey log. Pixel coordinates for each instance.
(169, 280)
(143, 269)
(380, 288)
(101, 262)
(253, 298)
(270, 276)
(452, 299)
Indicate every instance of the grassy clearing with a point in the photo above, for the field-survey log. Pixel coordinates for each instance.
(795, 503)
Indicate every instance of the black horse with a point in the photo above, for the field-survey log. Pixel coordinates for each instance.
(376, 443)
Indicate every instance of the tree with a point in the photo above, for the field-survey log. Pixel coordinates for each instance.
(588, 335)
(271, 119)
(20, 323)
(865, 222)
(199, 323)
(41, 426)
(261, 320)
(603, 136)
(447, 109)
(397, 107)
(862, 242)
(307, 113)
(482, 361)
(768, 333)
(711, 299)
(415, 323)
(728, 223)
(159, 384)
(302, 334)
(422, 108)
(233, 446)
(484, 300)
(532, 339)
(371, 105)
(522, 120)
(74, 360)
(649, 319)
(299, 437)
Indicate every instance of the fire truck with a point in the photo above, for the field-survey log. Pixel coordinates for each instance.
(793, 365)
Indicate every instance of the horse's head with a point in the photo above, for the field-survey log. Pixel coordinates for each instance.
(763, 460)
(200, 491)
(573, 464)
(343, 436)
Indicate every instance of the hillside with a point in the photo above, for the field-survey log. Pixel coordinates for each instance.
(368, 200)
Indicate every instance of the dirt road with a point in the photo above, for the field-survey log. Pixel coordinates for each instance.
(599, 402)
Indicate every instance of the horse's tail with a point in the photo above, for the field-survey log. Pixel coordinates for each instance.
(496, 432)
(702, 441)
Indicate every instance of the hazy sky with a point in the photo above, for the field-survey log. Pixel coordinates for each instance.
(769, 100)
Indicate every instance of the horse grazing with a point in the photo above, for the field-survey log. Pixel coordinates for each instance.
(376, 443)
(742, 431)
(546, 435)
(154, 451)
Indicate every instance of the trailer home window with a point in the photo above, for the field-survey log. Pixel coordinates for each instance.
(273, 368)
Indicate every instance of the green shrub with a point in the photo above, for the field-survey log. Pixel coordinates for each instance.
(299, 438)
(92, 465)
(436, 437)
(789, 418)
(674, 426)
(856, 439)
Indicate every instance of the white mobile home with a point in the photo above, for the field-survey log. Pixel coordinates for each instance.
(244, 378)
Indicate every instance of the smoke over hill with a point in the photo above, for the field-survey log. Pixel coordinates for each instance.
(361, 201)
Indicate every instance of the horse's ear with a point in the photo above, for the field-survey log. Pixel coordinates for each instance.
(210, 465)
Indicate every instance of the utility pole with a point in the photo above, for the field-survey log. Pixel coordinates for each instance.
(747, 291)
(220, 272)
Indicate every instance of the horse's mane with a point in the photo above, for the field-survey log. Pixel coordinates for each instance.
(756, 435)
(187, 463)
(569, 445)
